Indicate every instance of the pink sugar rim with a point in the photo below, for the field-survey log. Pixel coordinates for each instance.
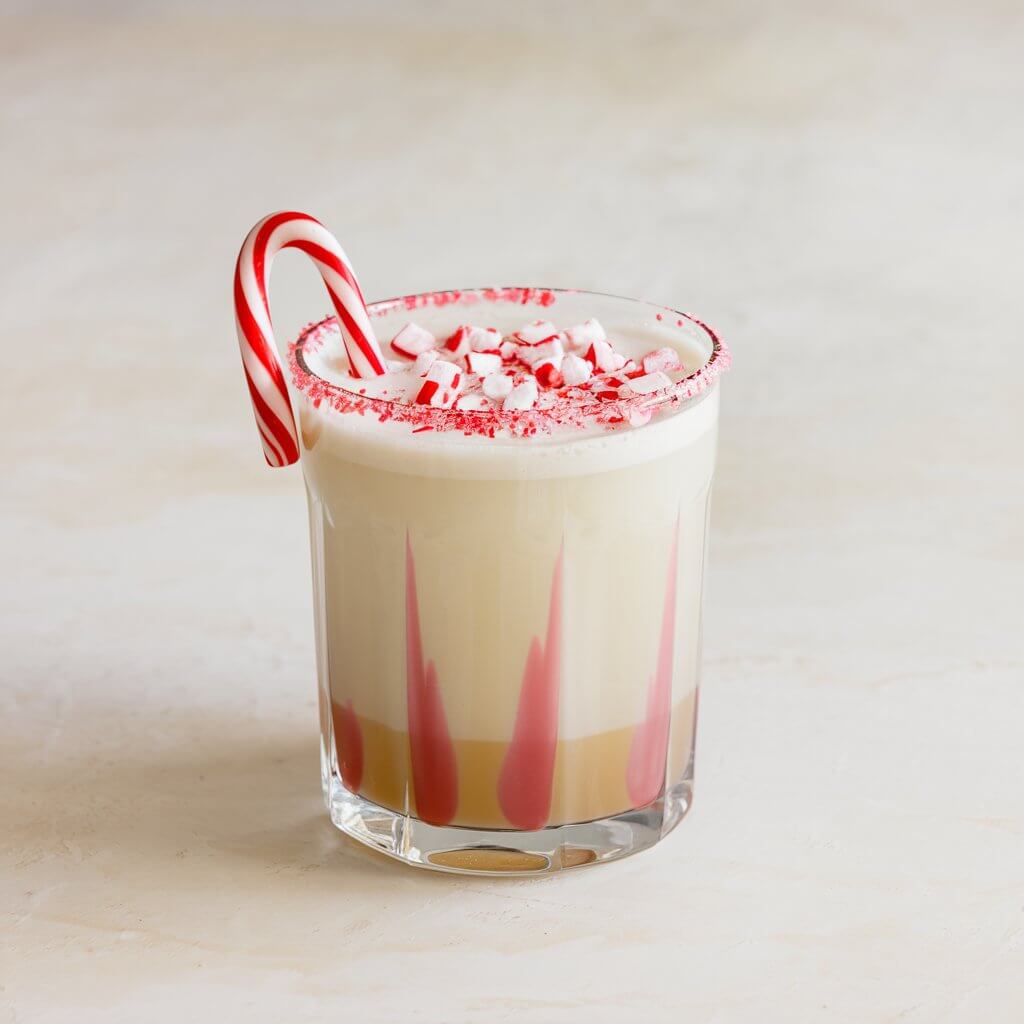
(577, 413)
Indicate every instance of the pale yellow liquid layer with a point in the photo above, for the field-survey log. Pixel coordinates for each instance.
(589, 777)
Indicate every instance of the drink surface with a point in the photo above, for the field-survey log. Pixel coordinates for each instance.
(508, 626)
(383, 421)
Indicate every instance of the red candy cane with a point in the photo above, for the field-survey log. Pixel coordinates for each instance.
(264, 372)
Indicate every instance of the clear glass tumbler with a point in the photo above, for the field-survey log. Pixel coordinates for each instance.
(509, 629)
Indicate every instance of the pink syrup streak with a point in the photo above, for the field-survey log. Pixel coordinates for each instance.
(524, 785)
(434, 777)
(348, 745)
(648, 753)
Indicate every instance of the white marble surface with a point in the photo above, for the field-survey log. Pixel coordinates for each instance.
(837, 187)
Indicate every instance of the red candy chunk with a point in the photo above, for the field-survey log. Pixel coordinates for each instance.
(441, 387)
(603, 357)
(458, 341)
(549, 376)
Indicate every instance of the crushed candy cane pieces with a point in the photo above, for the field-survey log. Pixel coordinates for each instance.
(539, 366)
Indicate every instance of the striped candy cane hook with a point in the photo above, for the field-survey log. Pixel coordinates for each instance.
(264, 371)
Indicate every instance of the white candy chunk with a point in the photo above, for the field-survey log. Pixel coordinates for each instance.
(442, 385)
(473, 402)
(603, 356)
(539, 330)
(575, 370)
(646, 384)
(661, 359)
(509, 349)
(411, 340)
(424, 361)
(618, 361)
(546, 352)
(483, 363)
(497, 385)
(583, 335)
(484, 339)
(395, 365)
(457, 343)
(443, 372)
(522, 396)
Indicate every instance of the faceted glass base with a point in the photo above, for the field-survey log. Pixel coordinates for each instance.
(470, 851)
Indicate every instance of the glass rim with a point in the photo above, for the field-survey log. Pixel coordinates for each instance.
(319, 389)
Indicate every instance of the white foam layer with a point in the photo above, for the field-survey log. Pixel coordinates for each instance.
(393, 446)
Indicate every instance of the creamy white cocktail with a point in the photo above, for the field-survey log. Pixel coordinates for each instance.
(508, 571)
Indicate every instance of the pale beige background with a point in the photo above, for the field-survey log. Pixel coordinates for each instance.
(838, 187)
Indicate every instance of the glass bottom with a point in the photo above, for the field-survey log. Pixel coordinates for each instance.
(472, 851)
